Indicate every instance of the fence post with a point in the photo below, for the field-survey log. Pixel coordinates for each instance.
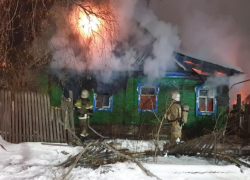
(71, 112)
(247, 117)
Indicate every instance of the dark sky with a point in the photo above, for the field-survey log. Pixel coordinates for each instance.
(176, 11)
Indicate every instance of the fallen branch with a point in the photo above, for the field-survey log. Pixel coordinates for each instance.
(99, 157)
(77, 159)
(234, 160)
(52, 144)
(72, 133)
(131, 159)
(3, 147)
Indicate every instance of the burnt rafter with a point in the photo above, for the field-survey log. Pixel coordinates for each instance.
(203, 67)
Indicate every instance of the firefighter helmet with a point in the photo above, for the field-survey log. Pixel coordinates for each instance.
(85, 94)
(176, 96)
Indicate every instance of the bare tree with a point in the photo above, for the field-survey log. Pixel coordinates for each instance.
(25, 22)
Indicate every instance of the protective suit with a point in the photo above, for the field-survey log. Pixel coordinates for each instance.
(85, 108)
(177, 115)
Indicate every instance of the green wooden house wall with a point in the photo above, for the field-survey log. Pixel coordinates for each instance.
(125, 104)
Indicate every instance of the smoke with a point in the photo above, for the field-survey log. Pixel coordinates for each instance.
(142, 43)
(217, 81)
(214, 31)
(167, 41)
(219, 41)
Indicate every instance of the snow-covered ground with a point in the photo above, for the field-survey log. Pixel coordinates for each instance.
(37, 161)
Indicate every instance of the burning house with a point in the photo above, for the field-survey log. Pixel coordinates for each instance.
(130, 80)
(132, 100)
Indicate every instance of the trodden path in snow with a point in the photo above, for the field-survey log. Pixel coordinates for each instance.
(37, 161)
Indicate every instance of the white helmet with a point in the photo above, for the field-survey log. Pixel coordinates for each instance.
(176, 96)
(85, 94)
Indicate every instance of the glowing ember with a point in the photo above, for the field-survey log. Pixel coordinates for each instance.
(220, 73)
(190, 62)
(87, 24)
(4, 64)
(200, 71)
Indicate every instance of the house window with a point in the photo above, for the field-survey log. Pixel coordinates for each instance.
(147, 98)
(206, 103)
(103, 102)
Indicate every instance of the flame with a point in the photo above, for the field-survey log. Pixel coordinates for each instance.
(220, 73)
(87, 24)
(190, 62)
(243, 97)
(200, 71)
(4, 64)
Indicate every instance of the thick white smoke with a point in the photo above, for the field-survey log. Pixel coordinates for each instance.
(215, 31)
(217, 40)
(133, 19)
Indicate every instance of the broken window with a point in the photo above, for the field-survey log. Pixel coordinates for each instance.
(147, 98)
(206, 103)
(103, 102)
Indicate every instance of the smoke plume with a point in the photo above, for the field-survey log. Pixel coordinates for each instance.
(218, 41)
(216, 31)
(142, 43)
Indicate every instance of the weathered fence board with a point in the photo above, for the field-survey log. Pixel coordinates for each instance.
(1, 113)
(28, 117)
(16, 130)
(38, 138)
(33, 116)
(19, 117)
(13, 125)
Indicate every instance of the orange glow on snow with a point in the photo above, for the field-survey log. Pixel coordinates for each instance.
(190, 62)
(87, 24)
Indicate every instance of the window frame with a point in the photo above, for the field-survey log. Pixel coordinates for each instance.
(205, 113)
(104, 108)
(142, 85)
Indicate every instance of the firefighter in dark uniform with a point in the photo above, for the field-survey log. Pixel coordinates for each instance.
(85, 108)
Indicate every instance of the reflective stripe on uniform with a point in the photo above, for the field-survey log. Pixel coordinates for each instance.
(84, 117)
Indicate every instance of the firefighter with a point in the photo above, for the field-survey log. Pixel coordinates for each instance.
(85, 107)
(177, 115)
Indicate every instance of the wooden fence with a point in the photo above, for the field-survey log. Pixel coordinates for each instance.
(239, 119)
(28, 117)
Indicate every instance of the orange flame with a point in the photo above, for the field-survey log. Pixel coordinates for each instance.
(220, 73)
(4, 64)
(200, 71)
(190, 62)
(87, 24)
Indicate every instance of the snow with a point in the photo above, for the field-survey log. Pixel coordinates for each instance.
(37, 161)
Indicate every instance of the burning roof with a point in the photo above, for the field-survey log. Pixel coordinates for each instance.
(203, 67)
